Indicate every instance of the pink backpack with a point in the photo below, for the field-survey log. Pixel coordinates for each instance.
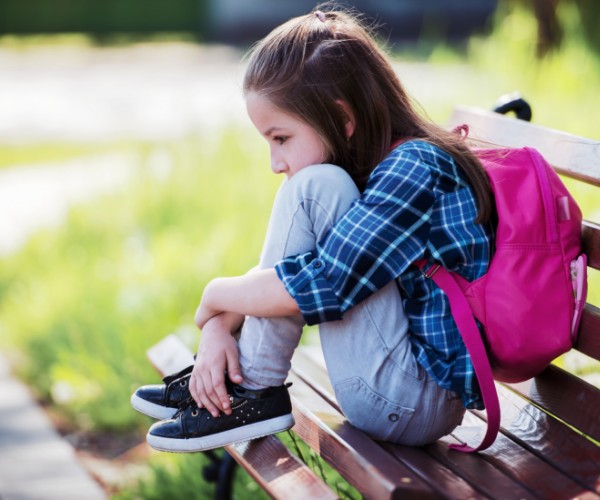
(531, 299)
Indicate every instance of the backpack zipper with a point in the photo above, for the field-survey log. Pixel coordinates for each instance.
(547, 199)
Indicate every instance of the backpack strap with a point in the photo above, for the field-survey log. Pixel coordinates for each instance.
(461, 311)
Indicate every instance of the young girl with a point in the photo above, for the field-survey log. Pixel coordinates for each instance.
(339, 253)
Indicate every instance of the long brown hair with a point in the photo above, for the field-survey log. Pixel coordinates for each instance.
(309, 64)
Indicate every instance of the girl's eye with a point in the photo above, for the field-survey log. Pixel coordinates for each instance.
(280, 139)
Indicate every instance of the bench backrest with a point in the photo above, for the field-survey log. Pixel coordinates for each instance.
(569, 155)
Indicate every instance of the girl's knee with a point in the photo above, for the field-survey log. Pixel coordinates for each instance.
(306, 207)
(324, 179)
(328, 185)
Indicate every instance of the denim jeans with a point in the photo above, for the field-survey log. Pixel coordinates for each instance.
(377, 381)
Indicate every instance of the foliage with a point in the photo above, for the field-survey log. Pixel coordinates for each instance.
(83, 303)
(328, 474)
(551, 25)
(102, 17)
(176, 476)
(181, 477)
(561, 87)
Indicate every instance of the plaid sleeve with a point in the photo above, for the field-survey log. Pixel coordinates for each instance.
(304, 280)
(373, 243)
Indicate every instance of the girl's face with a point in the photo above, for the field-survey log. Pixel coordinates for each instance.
(294, 144)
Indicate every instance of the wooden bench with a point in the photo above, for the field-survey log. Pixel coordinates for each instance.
(549, 445)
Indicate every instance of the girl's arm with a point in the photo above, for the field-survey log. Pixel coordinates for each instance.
(376, 240)
(221, 312)
(259, 293)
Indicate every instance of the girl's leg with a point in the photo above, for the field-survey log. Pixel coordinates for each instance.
(377, 380)
(305, 207)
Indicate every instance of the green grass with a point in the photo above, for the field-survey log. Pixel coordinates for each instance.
(322, 469)
(180, 477)
(561, 88)
(82, 304)
(176, 476)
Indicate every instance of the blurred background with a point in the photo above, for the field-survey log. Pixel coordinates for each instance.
(130, 176)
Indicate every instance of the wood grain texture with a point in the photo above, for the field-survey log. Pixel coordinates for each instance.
(570, 155)
(572, 457)
(359, 459)
(443, 478)
(588, 341)
(278, 471)
(535, 456)
(437, 474)
(590, 243)
(566, 397)
(506, 464)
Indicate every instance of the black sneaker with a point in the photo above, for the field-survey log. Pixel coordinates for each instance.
(163, 401)
(255, 413)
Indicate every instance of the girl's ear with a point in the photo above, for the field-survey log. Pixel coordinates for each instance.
(350, 121)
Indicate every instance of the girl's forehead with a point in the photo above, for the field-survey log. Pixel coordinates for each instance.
(265, 115)
(260, 104)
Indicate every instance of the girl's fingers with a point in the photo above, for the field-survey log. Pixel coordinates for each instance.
(200, 392)
(207, 400)
(214, 394)
(233, 367)
(220, 397)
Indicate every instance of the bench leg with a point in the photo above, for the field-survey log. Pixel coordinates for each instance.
(220, 471)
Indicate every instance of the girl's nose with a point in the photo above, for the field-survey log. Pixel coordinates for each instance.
(277, 167)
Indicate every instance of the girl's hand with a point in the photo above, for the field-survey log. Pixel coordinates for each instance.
(217, 353)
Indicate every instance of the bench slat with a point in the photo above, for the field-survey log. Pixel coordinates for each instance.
(570, 155)
(439, 472)
(309, 363)
(551, 441)
(495, 477)
(170, 355)
(591, 243)
(277, 471)
(508, 457)
(553, 391)
(486, 482)
(433, 472)
(364, 464)
(588, 340)
(509, 473)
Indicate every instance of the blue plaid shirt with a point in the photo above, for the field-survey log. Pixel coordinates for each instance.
(416, 205)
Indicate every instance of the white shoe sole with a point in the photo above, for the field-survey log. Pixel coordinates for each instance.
(244, 433)
(152, 409)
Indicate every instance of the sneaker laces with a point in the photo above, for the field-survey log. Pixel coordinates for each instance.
(184, 405)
